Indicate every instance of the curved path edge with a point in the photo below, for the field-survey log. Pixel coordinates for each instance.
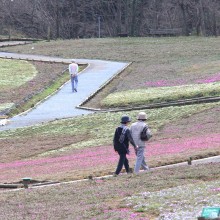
(63, 104)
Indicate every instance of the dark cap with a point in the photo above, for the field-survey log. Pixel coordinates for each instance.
(125, 119)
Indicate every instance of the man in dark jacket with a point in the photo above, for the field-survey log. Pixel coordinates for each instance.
(121, 141)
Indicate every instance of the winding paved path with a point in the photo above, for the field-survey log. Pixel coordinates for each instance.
(63, 103)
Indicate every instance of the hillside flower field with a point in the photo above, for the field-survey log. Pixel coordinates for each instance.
(76, 148)
(162, 83)
(74, 151)
(102, 160)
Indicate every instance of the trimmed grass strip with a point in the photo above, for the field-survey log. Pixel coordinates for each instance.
(160, 94)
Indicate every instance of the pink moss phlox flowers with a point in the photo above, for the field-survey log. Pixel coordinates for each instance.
(84, 159)
(100, 157)
(176, 145)
(210, 79)
(86, 154)
(216, 189)
(164, 83)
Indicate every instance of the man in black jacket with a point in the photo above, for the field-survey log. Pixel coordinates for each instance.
(121, 141)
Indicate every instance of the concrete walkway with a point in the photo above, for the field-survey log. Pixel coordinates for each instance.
(63, 103)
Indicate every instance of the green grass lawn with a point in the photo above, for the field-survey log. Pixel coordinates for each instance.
(14, 73)
(160, 94)
(6, 106)
(23, 83)
(99, 127)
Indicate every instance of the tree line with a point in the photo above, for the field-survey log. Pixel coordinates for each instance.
(68, 19)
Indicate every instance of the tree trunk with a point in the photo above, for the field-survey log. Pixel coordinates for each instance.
(184, 18)
(126, 15)
(133, 18)
(119, 8)
(157, 13)
(140, 16)
(202, 18)
(214, 17)
(57, 19)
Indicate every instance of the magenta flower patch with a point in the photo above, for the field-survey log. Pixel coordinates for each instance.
(216, 189)
(174, 146)
(85, 159)
(165, 83)
(100, 158)
(210, 79)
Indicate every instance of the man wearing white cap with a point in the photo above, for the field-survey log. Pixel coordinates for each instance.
(73, 70)
(136, 129)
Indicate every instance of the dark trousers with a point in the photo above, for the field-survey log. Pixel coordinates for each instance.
(122, 161)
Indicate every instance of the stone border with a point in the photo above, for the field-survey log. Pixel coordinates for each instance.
(159, 104)
(213, 159)
(40, 60)
(10, 44)
(99, 89)
(19, 39)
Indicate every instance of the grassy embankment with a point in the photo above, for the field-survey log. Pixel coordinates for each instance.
(14, 74)
(39, 96)
(188, 63)
(75, 148)
(175, 193)
(27, 83)
(162, 62)
(68, 149)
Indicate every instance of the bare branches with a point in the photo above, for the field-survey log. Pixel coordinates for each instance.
(72, 19)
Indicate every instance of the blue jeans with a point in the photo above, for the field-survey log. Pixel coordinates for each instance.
(122, 161)
(74, 82)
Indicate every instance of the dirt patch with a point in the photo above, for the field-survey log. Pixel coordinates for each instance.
(47, 73)
(206, 122)
(26, 147)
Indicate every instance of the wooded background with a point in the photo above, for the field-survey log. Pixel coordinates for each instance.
(68, 19)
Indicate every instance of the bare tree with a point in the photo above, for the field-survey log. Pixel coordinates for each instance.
(86, 18)
(201, 18)
(183, 4)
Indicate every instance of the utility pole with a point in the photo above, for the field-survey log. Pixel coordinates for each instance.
(99, 26)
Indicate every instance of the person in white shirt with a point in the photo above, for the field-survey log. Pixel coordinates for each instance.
(73, 70)
(136, 129)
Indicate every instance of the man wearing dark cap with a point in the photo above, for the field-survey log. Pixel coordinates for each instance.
(121, 141)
